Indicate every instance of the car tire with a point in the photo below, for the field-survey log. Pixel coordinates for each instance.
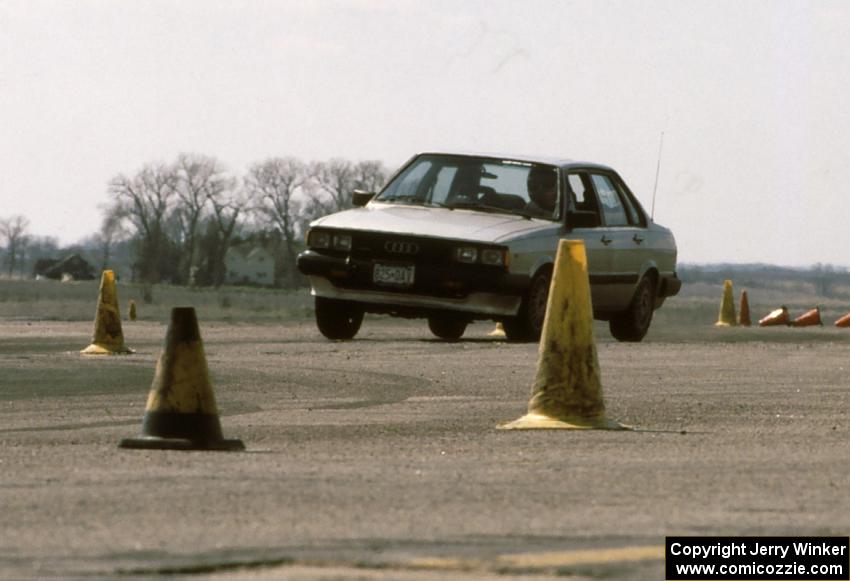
(336, 319)
(447, 327)
(632, 325)
(528, 324)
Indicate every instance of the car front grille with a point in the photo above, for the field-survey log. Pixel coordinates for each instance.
(400, 248)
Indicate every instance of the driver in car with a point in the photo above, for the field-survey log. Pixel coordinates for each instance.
(542, 186)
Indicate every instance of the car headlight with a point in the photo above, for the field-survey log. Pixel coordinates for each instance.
(322, 239)
(342, 242)
(466, 254)
(492, 256)
(475, 255)
(318, 239)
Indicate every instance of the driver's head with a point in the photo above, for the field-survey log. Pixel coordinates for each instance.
(542, 187)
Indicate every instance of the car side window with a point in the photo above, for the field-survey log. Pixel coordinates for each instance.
(583, 206)
(609, 199)
(635, 216)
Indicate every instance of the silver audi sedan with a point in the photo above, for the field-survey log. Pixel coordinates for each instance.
(456, 237)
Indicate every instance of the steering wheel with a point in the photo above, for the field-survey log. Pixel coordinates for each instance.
(478, 194)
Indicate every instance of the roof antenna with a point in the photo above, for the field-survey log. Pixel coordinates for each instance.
(657, 171)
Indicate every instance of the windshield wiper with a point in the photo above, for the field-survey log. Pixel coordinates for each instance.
(482, 207)
(411, 200)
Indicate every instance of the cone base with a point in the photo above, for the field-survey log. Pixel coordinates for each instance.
(101, 349)
(154, 443)
(535, 421)
(725, 324)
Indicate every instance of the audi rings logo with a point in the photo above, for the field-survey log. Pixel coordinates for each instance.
(398, 247)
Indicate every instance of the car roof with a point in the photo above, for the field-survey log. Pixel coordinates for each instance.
(546, 159)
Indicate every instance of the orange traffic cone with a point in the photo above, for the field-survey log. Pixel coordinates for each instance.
(108, 338)
(727, 307)
(843, 321)
(776, 317)
(567, 392)
(744, 311)
(809, 318)
(181, 413)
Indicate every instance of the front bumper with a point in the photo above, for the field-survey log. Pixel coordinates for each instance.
(473, 289)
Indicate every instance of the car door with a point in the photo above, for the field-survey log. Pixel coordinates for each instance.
(584, 222)
(627, 238)
(639, 248)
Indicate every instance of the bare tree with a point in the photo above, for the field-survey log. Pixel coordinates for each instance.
(271, 185)
(370, 175)
(146, 200)
(111, 231)
(337, 178)
(14, 233)
(228, 207)
(199, 178)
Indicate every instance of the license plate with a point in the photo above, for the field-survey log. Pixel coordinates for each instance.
(393, 275)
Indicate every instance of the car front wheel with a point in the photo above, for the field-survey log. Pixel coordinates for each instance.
(338, 319)
(528, 323)
(447, 327)
(633, 324)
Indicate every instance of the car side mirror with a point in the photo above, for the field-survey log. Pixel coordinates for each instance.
(582, 219)
(359, 198)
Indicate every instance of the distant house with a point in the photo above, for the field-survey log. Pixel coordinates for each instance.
(74, 267)
(249, 265)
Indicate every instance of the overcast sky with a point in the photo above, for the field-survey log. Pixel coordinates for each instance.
(752, 98)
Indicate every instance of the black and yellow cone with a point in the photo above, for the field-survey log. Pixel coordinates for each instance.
(108, 336)
(131, 310)
(181, 413)
(727, 307)
(567, 392)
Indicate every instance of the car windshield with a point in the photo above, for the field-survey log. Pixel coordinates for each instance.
(481, 184)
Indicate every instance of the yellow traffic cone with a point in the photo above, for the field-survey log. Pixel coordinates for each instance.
(498, 332)
(727, 307)
(108, 337)
(776, 317)
(843, 321)
(809, 318)
(132, 310)
(567, 393)
(181, 413)
(744, 311)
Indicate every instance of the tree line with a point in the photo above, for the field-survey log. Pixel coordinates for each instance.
(181, 218)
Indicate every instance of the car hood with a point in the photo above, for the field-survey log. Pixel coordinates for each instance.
(434, 222)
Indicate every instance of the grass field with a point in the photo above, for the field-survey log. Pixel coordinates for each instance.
(686, 317)
(76, 301)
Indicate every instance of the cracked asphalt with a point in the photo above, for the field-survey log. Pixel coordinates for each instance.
(378, 458)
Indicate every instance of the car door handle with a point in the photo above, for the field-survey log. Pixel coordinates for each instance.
(637, 239)
(605, 240)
